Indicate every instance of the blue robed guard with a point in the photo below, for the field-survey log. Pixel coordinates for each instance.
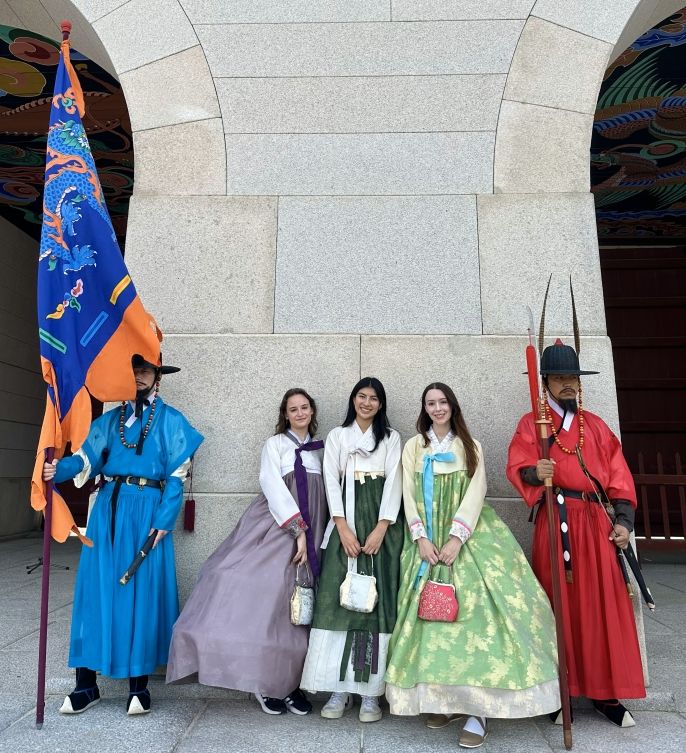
(143, 450)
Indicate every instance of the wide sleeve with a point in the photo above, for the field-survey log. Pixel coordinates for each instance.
(69, 467)
(332, 475)
(393, 485)
(523, 453)
(469, 508)
(89, 459)
(97, 441)
(621, 483)
(181, 440)
(414, 521)
(282, 505)
(166, 513)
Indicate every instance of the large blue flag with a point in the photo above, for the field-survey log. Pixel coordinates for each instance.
(90, 318)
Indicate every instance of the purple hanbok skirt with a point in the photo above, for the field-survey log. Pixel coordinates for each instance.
(235, 630)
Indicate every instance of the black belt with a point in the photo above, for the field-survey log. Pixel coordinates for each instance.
(574, 494)
(138, 481)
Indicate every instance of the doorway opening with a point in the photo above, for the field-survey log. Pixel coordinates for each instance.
(638, 178)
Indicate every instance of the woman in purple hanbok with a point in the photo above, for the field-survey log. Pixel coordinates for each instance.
(235, 631)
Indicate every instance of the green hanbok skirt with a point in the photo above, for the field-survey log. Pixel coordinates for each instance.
(347, 649)
(499, 658)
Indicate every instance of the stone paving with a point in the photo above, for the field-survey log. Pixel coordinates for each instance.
(194, 719)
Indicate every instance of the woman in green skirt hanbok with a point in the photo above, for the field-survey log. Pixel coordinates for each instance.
(498, 657)
(347, 650)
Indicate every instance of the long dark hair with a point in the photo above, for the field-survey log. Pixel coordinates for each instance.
(282, 424)
(380, 426)
(457, 424)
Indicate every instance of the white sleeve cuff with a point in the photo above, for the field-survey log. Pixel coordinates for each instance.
(84, 474)
(182, 471)
(459, 529)
(417, 530)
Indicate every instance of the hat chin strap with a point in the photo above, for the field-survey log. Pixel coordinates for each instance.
(141, 397)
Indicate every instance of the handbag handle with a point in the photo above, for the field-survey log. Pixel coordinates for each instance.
(354, 559)
(306, 565)
(442, 564)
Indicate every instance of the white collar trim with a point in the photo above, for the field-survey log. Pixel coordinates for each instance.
(132, 418)
(444, 444)
(568, 416)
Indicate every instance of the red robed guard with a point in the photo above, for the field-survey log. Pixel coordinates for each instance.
(603, 656)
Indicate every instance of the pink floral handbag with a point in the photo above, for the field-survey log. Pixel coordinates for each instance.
(438, 601)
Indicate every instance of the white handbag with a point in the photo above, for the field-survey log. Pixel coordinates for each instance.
(302, 599)
(358, 592)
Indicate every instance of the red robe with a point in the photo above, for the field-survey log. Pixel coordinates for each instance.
(603, 656)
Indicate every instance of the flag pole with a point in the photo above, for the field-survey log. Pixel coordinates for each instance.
(44, 598)
(65, 27)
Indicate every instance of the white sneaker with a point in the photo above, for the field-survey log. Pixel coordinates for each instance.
(370, 711)
(336, 705)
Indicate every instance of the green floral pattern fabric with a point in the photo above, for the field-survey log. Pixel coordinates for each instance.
(503, 641)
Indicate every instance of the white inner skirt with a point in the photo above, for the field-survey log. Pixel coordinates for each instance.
(464, 699)
(323, 665)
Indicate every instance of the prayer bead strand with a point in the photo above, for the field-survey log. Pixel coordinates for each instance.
(549, 417)
(148, 423)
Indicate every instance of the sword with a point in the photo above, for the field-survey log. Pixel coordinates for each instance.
(138, 561)
(624, 556)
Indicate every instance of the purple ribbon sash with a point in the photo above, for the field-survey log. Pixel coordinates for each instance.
(303, 501)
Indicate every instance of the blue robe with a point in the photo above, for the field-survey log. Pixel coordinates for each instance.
(125, 631)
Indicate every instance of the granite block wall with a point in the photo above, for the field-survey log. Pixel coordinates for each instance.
(327, 189)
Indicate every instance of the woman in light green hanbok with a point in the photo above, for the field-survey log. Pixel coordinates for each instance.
(498, 659)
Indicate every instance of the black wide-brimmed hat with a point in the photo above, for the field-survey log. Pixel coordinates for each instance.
(137, 361)
(561, 359)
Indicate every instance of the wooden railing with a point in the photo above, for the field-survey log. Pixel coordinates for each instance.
(661, 513)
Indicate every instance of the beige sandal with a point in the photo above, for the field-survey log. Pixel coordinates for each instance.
(438, 721)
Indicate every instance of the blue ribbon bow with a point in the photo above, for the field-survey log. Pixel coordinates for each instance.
(428, 488)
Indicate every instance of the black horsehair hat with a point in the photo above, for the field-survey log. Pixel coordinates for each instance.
(560, 358)
(137, 361)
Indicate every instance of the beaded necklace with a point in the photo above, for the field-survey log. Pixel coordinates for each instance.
(148, 423)
(549, 417)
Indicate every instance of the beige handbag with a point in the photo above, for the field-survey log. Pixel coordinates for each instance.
(358, 592)
(302, 599)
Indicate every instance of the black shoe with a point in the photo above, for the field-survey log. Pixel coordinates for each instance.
(79, 700)
(615, 712)
(556, 716)
(297, 703)
(271, 705)
(84, 695)
(139, 702)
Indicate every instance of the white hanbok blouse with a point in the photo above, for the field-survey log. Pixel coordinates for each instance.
(349, 453)
(278, 459)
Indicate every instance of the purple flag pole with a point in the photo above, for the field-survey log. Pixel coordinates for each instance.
(65, 27)
(44, 598)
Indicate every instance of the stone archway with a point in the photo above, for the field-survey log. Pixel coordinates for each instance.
(29, 55)
(179, 151)
(541, 164)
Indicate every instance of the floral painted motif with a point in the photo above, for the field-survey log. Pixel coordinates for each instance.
(28, 63)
